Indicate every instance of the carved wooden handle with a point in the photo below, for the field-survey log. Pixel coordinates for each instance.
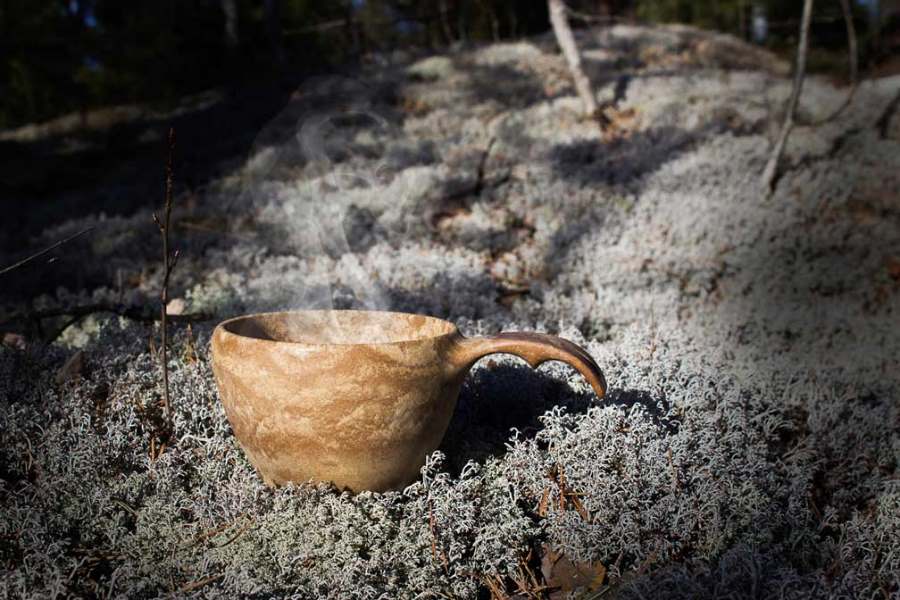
(534, 348)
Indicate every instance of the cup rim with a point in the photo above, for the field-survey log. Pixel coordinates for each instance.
(222, 329)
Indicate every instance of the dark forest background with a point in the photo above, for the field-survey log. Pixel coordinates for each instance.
(62, 56)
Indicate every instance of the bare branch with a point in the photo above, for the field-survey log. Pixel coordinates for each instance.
(445, 24)
(883, 124)
(566, 41)
(199, 583)
(28, 259)
(169, 261)
(770, 172)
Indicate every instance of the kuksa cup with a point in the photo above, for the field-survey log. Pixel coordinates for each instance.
(357, 398)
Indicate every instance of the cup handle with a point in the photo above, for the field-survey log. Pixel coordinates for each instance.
(535, 349)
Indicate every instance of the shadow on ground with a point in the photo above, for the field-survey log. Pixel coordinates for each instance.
(497, 398)
(621, 161)
(120, 170)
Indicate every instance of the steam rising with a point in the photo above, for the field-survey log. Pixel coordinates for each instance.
(338, 144)
(317, 136)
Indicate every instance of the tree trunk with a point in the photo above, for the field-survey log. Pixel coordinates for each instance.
(445, 23)
(229, 9)
(771, 170)
(461, 22)
(566, 42)
(495, 23)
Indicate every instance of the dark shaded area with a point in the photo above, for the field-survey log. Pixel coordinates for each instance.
(519, 88)
(492, 403)
(442, 298)
(508, 87)
(657, 408)
(64, 56)
(117, 173)
(839, 265)
(811, 298)
(61, 56)
(621, 161)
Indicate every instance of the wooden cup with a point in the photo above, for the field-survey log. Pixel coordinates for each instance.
(358, 398)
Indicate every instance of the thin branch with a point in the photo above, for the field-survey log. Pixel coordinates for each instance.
(566, 41)
(437, 549)
(770, 172)
(213, 532)
(883, 124)
(482, 164)
(199, 583)
(133, 313)
(28, 259)
(445, 24)
(853, 57)
(239, 533)
(481, 182)
(169, 262)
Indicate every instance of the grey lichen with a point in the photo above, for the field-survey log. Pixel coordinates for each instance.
(748, 446)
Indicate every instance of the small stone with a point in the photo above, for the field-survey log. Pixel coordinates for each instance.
(176, 306)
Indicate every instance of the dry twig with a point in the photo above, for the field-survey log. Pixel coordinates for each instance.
(676, 485)
(434, 541)
(169, 262)
(495, 587)
(238, 534)
(215, 531)
(199, 583)
(568, 497)
(770, 172)
(883, 124)
(28, 259)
